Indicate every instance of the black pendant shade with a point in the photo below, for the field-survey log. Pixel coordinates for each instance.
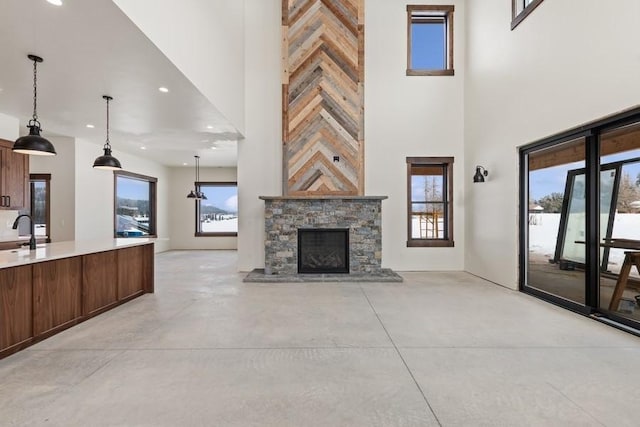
(34, 143)
(107, 161)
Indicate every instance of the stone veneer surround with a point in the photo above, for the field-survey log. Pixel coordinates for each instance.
(362, 215)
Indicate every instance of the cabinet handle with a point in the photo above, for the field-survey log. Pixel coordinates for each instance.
(8, 201)
(3, 202)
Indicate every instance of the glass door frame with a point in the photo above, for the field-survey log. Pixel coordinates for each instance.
(591, 132)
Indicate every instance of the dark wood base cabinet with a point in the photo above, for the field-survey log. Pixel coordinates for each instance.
(41, 299)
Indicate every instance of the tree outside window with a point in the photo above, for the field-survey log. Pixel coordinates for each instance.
(429, 201)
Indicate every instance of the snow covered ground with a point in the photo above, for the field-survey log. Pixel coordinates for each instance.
(543, 233)
(221, 226)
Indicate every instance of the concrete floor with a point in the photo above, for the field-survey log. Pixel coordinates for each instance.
(439, 349)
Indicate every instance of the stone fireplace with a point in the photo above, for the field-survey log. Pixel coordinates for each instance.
(359, 216)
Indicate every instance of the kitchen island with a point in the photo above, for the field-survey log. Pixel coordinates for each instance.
(58, 285)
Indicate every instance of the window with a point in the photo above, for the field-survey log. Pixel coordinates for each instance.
(430, 201)
(217, 215)
(521, 9)
(41, 204)
(429, 40)
(135, 205)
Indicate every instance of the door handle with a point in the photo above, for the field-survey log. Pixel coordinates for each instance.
(3, 201)
(8, 201)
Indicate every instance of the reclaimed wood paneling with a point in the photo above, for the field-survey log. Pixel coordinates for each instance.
(323, 97)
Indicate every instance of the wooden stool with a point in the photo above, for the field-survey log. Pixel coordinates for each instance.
(630, 259)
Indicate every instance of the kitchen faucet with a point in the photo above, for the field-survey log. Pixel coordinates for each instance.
(32, 240)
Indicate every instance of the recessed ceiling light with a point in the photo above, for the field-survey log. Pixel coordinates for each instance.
(90, 126)
(55, 2)
(163, 89)
(209, 127)
(184, 164)
(214, 148)
(143, 148)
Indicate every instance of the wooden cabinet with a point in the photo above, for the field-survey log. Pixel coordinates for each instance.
(16, 312)
(14, 177)
(99, 282)
(57, 293)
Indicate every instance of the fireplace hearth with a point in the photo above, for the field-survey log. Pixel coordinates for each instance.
(323, 250)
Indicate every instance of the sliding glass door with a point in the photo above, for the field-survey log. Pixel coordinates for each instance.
(580, 219)
(619, 285)
(556, 221)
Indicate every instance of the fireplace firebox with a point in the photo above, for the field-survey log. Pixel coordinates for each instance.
(323, 250)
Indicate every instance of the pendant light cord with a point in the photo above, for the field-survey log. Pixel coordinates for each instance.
(35, 91)
(107, 144)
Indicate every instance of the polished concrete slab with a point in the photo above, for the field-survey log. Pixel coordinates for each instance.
(439, 349)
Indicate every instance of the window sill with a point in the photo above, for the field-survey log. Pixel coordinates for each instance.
(430, 72)
(425, 243)
(226, 234)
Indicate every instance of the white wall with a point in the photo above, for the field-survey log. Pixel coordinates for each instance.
(9, 127)
(63, 197)
(260, 154)
(410, 116)
(204, 39)
(564, 65)
(94, 193)
(182, 215)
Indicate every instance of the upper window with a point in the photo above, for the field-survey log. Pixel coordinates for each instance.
(217, 215)
(429, 40)
(135, 205)
(41, 204)
(430, 201)
(521, 9)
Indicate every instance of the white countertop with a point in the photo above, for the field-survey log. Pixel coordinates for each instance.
(59, 250)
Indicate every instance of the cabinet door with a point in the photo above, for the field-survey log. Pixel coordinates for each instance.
(16, 315)
(57, 295)
(131, 276)
(99, 281)
(14, 177)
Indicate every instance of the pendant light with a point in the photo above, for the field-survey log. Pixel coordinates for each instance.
(195, 194)
(34, 143)
(107, 161)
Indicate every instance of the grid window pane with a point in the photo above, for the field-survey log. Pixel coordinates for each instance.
(429, 192)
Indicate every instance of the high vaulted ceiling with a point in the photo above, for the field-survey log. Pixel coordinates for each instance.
(90, 49)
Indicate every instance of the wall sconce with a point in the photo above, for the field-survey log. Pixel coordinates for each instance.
(481, 172)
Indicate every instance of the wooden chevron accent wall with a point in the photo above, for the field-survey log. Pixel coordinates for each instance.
(323, 97)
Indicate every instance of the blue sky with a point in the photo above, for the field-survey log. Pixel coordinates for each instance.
(222, 197)
(552, 180)
(427, 47)
(133, 189)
